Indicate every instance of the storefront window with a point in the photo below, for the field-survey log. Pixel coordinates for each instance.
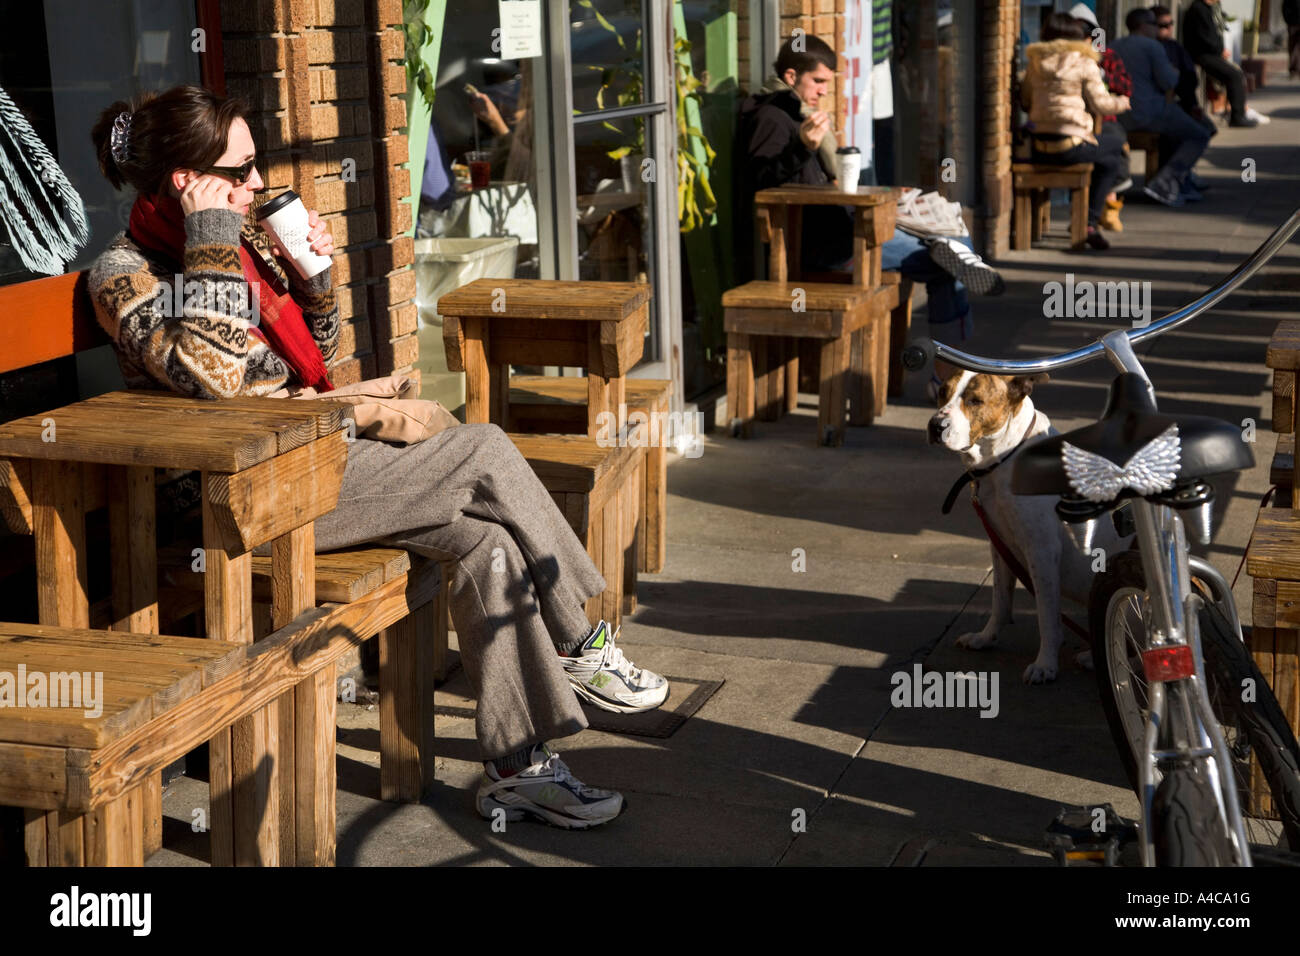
(478, 208)
(62, 62)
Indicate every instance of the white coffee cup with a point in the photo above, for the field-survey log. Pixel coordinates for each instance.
(848, 161)
(284, 219)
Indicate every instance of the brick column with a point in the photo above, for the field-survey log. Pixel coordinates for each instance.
(326, 81)
(997, 46)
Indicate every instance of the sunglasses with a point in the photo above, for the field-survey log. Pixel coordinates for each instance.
(1165, 24)
(240, 174)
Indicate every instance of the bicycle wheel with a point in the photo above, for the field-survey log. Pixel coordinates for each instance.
(1185, 827)
(1255, 727)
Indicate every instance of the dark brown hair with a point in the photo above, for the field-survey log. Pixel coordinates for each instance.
(1062, 26)
(815, 50)
(186, 127)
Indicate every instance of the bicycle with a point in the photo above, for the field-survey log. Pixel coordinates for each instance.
(1171, 664)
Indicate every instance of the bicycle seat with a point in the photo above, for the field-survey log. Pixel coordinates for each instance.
(1132, 450)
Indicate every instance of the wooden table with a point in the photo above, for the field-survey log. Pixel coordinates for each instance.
(268, 470)
(491, 324)
(778, 211)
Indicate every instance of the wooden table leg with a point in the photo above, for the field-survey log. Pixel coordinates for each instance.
(861, 388)
(315, 720)
(830, 406)
(478, 384)
(114, 832)
(59, 529)
(740, 382)
(406, 671)
(1078, 216)
(244, 784)
(629, 506)
(791, 374)
(606, 392)
(293, 590)
(900, 323)
(134, 550)
(1023, 211)
(776, 267)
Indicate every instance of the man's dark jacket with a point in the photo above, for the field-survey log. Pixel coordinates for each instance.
(1200, 35)
(770, 153)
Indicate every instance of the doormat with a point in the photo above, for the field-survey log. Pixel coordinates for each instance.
(685, 697)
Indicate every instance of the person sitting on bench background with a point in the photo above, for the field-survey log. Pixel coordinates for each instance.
(784, 138)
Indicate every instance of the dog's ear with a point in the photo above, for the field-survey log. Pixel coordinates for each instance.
(1021, 385)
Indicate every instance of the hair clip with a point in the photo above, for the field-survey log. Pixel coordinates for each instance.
(120, 139)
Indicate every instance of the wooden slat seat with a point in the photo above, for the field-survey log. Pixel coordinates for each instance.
(597, 490)
(552, 403)
(764, 322)
(1032, 183)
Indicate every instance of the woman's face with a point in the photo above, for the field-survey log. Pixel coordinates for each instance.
(239, 150)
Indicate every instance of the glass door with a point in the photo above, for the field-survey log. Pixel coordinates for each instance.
(621, 197)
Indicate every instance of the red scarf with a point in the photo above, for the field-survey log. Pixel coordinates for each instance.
(159, 223)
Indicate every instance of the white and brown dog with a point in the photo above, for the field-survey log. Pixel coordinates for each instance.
(988, 419)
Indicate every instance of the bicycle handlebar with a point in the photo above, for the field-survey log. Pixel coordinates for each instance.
(917, 353)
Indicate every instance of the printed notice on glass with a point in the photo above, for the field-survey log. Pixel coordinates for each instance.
(521, 28)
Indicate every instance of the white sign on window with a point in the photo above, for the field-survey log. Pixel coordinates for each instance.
(521, 28)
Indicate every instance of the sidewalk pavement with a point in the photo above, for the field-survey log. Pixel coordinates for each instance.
(803, 730)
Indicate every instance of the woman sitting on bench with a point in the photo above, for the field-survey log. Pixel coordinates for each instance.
(463, 495)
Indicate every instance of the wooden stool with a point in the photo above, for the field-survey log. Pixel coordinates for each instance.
(598, 490)
(1149, 143)
(1032, 184)
(551, 403)
(763, 329)
(1283, 357)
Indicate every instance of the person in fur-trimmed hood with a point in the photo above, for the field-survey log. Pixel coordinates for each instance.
(1063, 91)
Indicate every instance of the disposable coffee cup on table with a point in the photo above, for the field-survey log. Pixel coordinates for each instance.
(848, 162)
(284, 219)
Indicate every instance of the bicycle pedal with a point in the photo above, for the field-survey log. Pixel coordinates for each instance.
(1094, 835)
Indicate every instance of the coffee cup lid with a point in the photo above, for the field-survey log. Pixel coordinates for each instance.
(275, 205)
(848, 149)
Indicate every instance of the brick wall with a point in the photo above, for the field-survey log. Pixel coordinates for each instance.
(326, 81)
(997, 46)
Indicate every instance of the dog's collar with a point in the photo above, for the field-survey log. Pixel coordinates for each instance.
(975, 474)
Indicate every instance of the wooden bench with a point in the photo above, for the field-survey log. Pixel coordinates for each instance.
(552, 403)
(68, 326)
(1032, 184)
(765, 320)
(1149, 143)
(598, 490)
(83, 780)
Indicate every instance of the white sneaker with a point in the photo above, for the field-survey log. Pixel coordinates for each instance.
(1260, 118)
(601, 675)
(965, 266)
(547, 791)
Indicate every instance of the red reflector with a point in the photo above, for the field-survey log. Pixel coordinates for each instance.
(1168, 663)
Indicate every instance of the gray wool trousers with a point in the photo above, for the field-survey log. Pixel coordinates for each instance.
(522, 576)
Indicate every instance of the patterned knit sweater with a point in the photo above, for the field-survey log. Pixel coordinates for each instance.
(203, 349)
